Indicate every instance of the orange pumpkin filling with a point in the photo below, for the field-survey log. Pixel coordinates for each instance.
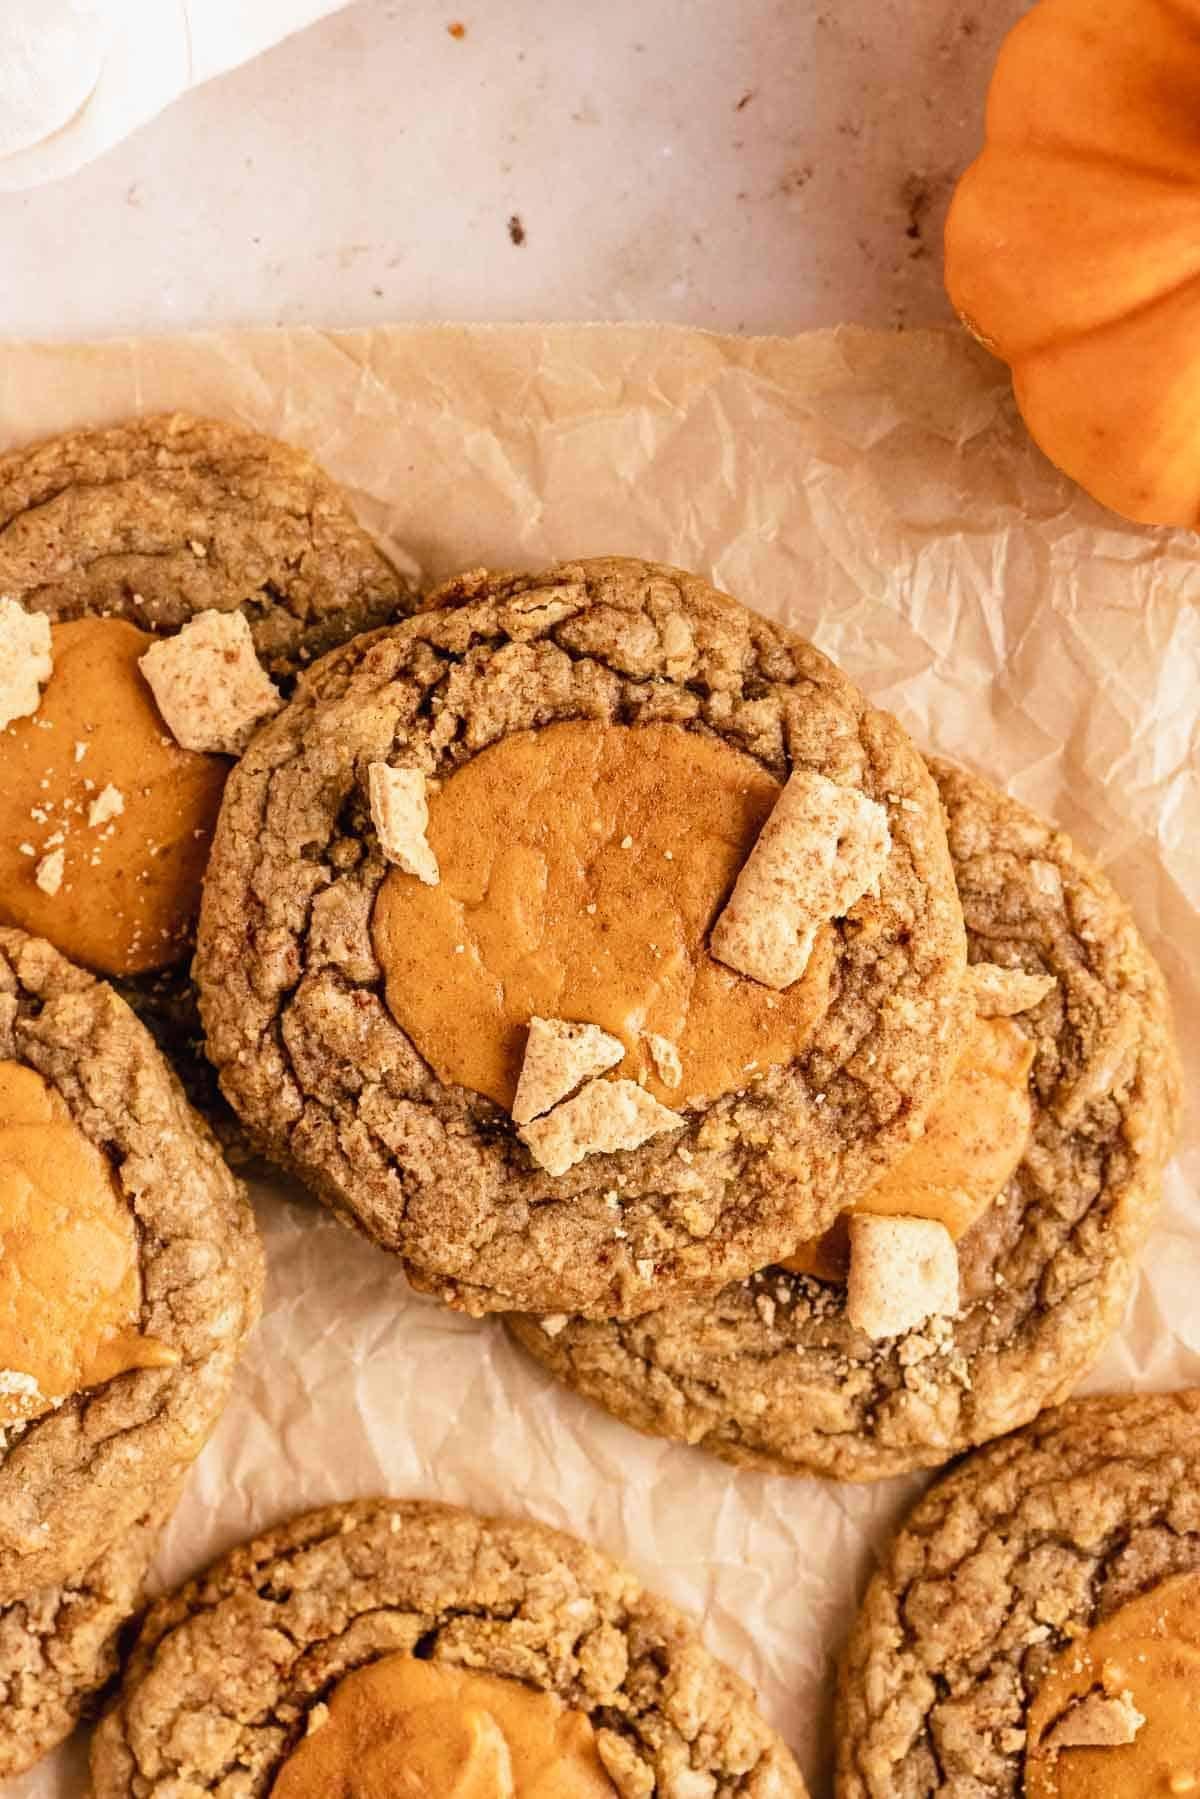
(1146, 1659)
(70, 1286)
(582, 867)
(973, 1142)
(439, 1732)
(105, 823)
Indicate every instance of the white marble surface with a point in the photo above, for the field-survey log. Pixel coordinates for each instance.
(750, 165)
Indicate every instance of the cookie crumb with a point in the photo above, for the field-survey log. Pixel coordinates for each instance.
(603, 1117)
(902, 1271)
(318, 1717)
(560, 1056)
(81, 750)
(49, 872)
(209, 684)
(666, 1059)
(26, 661)
(554, 1323)
(108, 803)
(400, 814)
(817, 854)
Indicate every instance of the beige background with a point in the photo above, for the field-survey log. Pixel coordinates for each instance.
(366, 170)
(876, 492)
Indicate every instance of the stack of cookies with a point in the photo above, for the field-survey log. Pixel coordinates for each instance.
(596, 948)
(162, 584)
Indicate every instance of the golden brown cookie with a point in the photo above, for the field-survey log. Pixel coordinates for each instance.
(772, 1374)
(58, 1646)
(1033, 1629)
(534, 800)
(130, 540)
(390, 1629)
(130, 1275)
(161, 518)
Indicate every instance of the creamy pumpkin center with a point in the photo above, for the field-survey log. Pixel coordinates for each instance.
(403, 1726)
(70, 1284)
(973, 1141)
(105, 823)
(581, 869)
(1147, 1652)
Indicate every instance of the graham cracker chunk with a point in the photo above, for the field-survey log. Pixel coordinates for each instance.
(560, 1056)
(49, 872)
(109, 803)
(1003, 992)
(603, 1116)
(209, 685)
(902, 1271)
(1098, 1721)
(666, 1059)
(26, 661)
(400, 814)
(820, 850)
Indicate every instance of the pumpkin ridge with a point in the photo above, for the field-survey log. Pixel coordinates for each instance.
(1061, 340)
(1052, 150)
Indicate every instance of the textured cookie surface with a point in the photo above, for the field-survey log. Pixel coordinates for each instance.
(770, 1374)
(1029, 1543)
(163, 517)
(293, 998)
(224, 1679)
(58, 1646)
(73, 1480)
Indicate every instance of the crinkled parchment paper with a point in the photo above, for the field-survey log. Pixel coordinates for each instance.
(878, 493)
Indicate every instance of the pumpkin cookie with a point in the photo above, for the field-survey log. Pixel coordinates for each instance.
(472, 871)
(367, 1643)
(58, 1646)
(130, 1271)
(1035, 1627)
(164, 540)
(1043, 1159)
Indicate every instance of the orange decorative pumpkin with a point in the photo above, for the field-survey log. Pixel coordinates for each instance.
(1073, 244)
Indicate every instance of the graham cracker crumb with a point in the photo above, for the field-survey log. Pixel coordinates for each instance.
(49, 872)
(209, 685)
(26, 661)
(108, 803)
(603, 1117)
(820, 850)
(666, 1059)
(559, 1056)
(902, 1272)
(400, 814)
(1097, 1721)
(1003, 992)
